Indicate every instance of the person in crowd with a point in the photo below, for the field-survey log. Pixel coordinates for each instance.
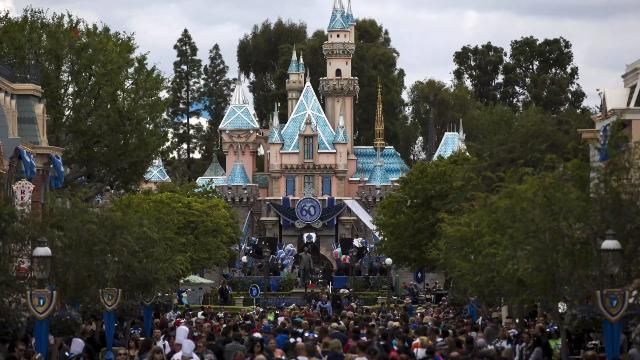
(224, 293)
(160, 342)
(235, 347)
(133, 348)
(156, 353)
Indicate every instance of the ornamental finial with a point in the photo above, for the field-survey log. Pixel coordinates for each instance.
(379, 126)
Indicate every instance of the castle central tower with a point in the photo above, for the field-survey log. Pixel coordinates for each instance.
(339, 87)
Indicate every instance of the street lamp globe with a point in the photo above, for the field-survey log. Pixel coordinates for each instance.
(611, 252)
(388, 261)
(41, 260)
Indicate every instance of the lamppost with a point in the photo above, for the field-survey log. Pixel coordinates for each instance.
(267, 267)
(388, 262)
(612, 302)
(611, 255)
(42, 300)
(110, 298)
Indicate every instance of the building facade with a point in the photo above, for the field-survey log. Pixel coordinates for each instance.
(31, 167)
(316, 184)
(616, 104)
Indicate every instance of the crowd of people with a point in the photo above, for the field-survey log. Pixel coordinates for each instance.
(322, 329)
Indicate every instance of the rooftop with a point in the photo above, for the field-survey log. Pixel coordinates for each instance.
(308, 106)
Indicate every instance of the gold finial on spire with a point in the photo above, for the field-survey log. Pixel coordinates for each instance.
(379, 141)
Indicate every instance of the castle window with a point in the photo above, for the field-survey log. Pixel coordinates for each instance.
(326, 185)
(308, 148)
(308, 184)
(338, 73)
(290, 186)
(337, 35)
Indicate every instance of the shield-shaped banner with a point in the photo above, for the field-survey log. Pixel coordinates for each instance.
(613, 303)
(42, 302)
(148, 300)
(110, 298)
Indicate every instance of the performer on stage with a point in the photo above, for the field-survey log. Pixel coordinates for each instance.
(306, 266)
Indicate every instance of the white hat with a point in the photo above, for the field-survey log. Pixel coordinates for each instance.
(182, 332)
(187, 349)
(77, 346)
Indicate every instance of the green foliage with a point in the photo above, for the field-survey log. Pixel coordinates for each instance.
(375, 59)
(409, 218)
(512, 219)
(184, 92)
(435, 109)
(264, 56)
(12, 244)
(143, 242)
(103, 99)
(535, 73)
(481, 67)
(216, 91)
(525, 243)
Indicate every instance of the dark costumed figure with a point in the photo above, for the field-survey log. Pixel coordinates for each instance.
(306, 266)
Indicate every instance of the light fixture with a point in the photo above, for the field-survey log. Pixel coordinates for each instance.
(611, 253)
(41, 260)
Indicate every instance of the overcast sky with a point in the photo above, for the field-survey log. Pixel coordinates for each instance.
(605, 33)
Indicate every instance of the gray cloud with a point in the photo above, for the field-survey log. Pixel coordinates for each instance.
(426, 32)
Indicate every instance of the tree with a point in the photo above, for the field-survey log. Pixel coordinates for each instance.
(437, 108)
(409, 218)
(185, 91)
(103, 99)
(506, 141)
(143, 242)
(264, 56)
(536, 73)
(527, 243)
(542, 74)
(216, 91)
(375, 59)
(480, 68)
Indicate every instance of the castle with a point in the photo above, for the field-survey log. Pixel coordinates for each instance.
(316, 183)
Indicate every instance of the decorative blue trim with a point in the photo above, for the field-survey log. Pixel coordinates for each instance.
(308, 106)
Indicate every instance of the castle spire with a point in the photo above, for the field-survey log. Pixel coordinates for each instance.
(293, 66)
(350, 17)
(379, 127)
(301, 63)
(238, 97)
(274, 116)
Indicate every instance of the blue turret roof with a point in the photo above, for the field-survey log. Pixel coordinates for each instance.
(451, 143)
(214, 175)
(308, 106)
(238, 175)
(211, 182)
(366, 156)
(239, 115)
(339, 20)
(341, 136)
(275, 136)
(351, 20)
(156, 172)
(293, 66)
(341, 132)
(301, 64)
(379, 175)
